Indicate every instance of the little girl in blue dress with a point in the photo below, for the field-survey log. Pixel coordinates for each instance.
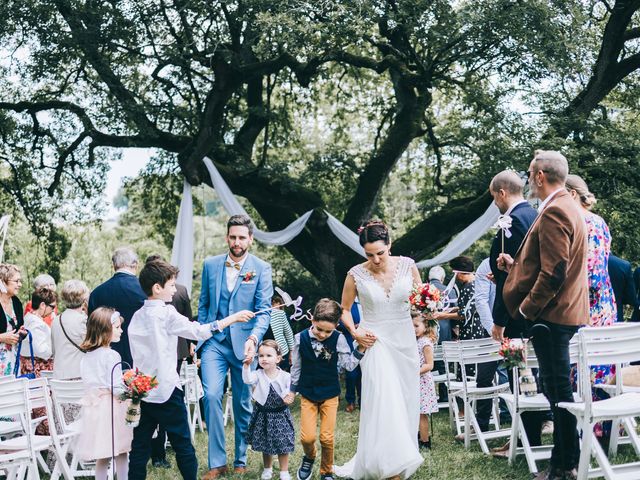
(271, 426)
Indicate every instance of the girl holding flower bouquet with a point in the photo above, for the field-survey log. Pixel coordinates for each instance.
(104, 326)
(427, 336)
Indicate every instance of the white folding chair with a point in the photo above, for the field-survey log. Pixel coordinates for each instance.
(69, 393)
(466, 354)
(454, 387)
(228, 406)
(193, 392)
(38, 396)
(440, 377)
(8, 427)
(17, 463)
(613, 345)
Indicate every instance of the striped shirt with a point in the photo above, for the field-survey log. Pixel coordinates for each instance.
(282, 332)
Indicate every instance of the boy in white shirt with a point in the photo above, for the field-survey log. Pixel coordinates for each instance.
(153, 336)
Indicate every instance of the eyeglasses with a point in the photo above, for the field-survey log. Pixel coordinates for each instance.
(17, 280)
(51, 306)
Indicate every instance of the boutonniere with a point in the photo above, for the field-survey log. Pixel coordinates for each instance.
(326, 354)
(248, 276)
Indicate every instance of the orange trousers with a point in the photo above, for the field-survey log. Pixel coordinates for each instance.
(309, 411)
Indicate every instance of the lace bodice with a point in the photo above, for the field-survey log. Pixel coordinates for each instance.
(374, 300)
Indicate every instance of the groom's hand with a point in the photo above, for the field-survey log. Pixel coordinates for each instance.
(249, 349)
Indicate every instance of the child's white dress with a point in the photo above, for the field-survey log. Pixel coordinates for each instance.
(95, 437)
(428, 398)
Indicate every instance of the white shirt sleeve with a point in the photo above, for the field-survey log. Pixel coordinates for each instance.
(483, 298)
(181, 326)
(249, 376)
(296, 363)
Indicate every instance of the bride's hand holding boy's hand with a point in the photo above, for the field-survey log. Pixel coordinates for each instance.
(364, 337)
(289, 398)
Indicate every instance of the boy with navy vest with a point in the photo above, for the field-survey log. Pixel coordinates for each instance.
(317, 354)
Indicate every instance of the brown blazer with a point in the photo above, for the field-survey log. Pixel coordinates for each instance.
(548, 280)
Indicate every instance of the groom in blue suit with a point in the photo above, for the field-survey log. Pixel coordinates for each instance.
(231, 282)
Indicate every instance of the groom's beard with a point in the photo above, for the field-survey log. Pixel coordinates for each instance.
(238, 252)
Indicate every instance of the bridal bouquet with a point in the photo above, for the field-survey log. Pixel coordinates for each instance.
(137, 386)
(425, 298)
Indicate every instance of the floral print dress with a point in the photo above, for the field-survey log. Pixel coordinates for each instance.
(602, 303)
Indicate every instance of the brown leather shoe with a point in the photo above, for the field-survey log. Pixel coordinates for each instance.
(350, 408)
(240, 470)
(215, 473)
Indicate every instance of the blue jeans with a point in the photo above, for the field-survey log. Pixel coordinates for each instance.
(172, 417)
(217, 359)
(551, 343)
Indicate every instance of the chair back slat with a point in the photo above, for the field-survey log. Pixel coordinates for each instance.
(609, 345)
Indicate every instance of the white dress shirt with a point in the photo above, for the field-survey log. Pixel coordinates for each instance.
(153, 337)
(485, 295)
(40, 335)
(97, 368)
(546, 201)
(232, 273)
(281, 384)
(66, 356)
(510, 209)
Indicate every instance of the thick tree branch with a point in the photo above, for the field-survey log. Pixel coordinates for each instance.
(608, 70)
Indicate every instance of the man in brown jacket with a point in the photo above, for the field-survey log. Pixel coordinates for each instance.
(547, 286)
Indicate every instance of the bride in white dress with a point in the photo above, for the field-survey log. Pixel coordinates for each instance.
(390, 412)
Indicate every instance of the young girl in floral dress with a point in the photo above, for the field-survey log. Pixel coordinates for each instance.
(426, 336)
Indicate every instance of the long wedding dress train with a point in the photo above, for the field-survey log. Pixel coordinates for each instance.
(390, 412)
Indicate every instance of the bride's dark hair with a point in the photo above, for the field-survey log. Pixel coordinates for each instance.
(373, 231)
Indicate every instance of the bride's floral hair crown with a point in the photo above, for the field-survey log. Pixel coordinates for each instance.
(373, 231)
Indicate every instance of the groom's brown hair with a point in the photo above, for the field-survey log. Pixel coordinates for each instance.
(327, 310)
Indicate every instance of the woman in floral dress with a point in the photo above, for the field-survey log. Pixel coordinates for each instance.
(11, 316)
(602, 303)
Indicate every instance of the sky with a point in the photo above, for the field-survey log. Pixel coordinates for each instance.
(133, 160)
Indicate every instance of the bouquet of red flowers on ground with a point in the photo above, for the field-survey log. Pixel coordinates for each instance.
(425, 298)
(137, 386)
(513, 352)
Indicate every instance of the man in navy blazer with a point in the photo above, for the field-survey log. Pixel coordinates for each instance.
(123, 293)
(231, 282)
(507, 190)
(623, 286)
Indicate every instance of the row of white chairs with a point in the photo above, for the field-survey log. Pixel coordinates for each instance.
(23, 449)
(616, 345)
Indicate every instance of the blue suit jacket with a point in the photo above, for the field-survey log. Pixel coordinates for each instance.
(124, 293)
(254, 295)
(522, 216)
(623, 286)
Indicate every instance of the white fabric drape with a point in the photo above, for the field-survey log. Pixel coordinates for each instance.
(183, 244)
(182, 253)
(465, 238)
(4, 229)
(233, 207)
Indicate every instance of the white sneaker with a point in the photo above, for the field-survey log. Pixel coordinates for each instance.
(267, 474)
(285, 476)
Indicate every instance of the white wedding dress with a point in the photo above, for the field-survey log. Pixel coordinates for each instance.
(390, 412)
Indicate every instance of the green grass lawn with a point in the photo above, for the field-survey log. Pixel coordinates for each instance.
(447, 460)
